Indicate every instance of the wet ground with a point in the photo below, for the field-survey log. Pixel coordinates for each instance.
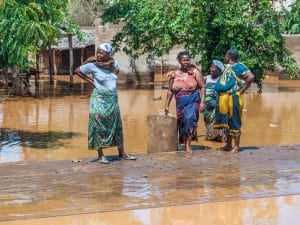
(242, 188)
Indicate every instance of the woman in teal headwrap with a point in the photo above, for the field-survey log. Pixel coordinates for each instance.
(216, 70)
(105, 125)
(235, 80)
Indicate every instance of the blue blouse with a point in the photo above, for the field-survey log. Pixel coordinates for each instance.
(240, 69)
(232, 78)
(104, 80)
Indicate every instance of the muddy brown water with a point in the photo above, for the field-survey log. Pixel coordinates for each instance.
(280, 211)
(51, 123)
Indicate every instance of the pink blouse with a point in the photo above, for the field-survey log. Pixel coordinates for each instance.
(183, 81)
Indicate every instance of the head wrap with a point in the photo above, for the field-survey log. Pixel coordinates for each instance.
(219, 65)
(106, 47)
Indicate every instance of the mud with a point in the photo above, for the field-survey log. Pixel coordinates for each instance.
(40, 189)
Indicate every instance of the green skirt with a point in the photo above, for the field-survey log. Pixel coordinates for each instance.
(105, 124)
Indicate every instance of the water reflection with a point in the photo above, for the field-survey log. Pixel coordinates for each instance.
(278, 210)
(55, 118)
(29, 190)
(39, 140)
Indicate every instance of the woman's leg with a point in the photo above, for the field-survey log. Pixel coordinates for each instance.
(123, 154)
(228, 145)
(187, 144)
(192, 134)
(100, 153)
(236, 147)
(101, 157)
(235, 123)
(121, 150)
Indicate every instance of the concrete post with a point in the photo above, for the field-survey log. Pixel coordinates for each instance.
(162, 133)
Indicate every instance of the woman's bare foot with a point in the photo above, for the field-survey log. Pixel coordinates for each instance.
(225, 148)
(188, 149)
(235, 150)
(223, 139)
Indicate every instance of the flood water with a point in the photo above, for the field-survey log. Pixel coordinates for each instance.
(51, 123)
(280, 211)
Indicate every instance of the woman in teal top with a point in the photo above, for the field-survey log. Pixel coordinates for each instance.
(105, 125)
(235, 80)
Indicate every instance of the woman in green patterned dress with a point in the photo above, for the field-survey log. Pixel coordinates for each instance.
(105, 125)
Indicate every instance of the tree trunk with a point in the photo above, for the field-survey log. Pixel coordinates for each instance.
(82, 56)
(5, 77)
(54, 62)
(15, 78)
(71, 59)
(50, 64)
(37, 72)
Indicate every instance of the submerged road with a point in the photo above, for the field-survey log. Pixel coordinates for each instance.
(49, 189)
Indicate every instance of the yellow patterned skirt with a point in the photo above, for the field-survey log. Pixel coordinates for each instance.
(229, 112)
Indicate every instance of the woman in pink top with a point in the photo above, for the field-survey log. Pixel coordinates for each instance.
(186, 84)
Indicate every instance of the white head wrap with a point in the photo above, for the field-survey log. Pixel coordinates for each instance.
(106, 47)
(219, 65)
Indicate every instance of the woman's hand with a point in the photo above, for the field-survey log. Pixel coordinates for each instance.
(167, 110)
(175, 89)
(242, 91)
(202, 107)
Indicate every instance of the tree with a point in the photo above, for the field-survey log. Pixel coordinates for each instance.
(26, 27)
(291, 24)
(208, 28)
(85, 12)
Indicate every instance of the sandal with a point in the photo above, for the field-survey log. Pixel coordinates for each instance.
(103, 160)
(128, 157)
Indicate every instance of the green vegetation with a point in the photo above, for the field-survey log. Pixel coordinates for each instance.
(85, 12)
(206, 28)
(291, 24)
(26, 27)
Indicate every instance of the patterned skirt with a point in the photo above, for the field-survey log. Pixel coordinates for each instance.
(187, 111)
(229, 112)
(105, 124)
(209, 115)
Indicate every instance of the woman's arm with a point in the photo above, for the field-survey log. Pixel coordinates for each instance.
(108, 65)
(84, 77)
(248, 77)
(201, 85)
(169, 96)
